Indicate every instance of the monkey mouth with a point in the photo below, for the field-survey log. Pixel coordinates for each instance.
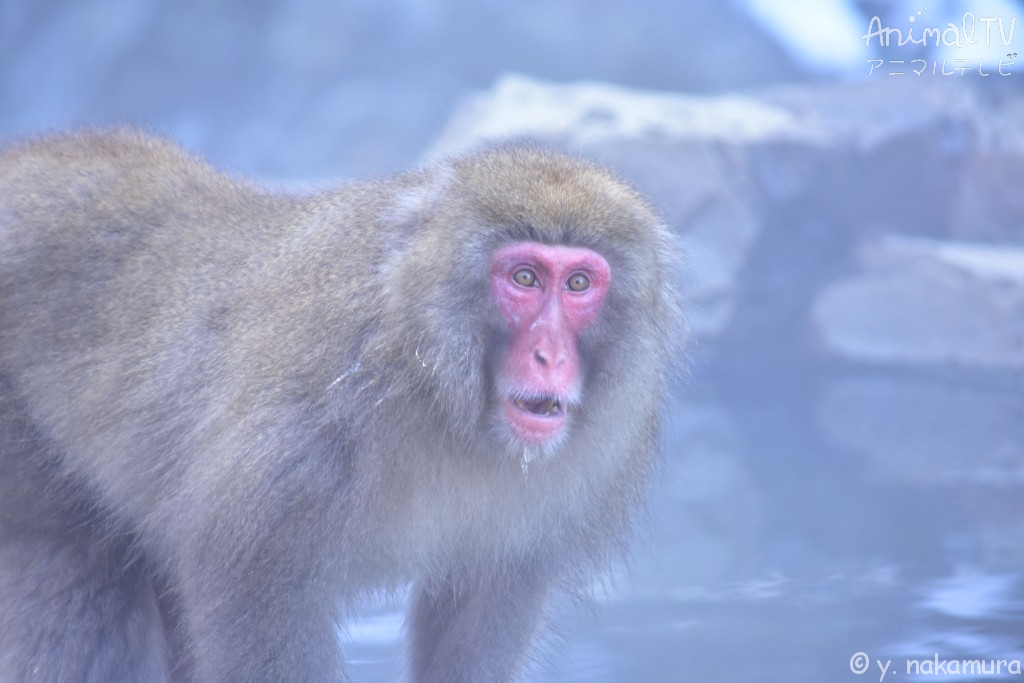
(535, 419)
(548, 406)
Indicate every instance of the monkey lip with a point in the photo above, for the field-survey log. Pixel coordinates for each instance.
(535, 419)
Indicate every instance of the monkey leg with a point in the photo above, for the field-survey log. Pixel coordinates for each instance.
(72, 610)
(73, 604)
(257, 627)
(254, 595)
(482, 634)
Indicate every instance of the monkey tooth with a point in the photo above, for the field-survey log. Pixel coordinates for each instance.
(543, 406)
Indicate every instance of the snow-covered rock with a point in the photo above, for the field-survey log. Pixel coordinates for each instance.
(923, 301)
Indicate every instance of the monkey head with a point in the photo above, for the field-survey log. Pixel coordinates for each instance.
(544, 302)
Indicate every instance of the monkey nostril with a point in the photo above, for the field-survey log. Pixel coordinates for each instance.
(540, 357)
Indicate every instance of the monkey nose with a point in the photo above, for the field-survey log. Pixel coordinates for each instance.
(540, 357)
(551, 359)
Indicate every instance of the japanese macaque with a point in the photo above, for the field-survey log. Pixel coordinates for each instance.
(228, 414)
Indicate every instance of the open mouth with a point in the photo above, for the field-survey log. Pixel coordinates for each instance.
(547, 406)
(535, 419)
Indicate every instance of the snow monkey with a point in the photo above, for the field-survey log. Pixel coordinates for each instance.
(228, 414)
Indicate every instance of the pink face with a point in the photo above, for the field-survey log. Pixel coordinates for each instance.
(547, 295)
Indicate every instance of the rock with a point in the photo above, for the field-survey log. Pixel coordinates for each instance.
(923, 301)
(989, 204)
(590, 113)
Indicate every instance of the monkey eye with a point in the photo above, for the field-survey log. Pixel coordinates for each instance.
(525, 277)
(578, 282)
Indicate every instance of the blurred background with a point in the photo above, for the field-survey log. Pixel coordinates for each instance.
(844, 457)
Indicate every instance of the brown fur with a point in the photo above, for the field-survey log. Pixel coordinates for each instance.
(227, 413)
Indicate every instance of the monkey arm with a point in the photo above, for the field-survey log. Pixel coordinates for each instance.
(476, 634)
(257, 597)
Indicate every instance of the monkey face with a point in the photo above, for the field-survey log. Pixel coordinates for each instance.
(548, 295)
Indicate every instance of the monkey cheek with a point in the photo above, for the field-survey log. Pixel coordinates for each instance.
(529, 427)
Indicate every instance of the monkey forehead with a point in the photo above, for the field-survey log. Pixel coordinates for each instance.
(555, 197)
(553, 260)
